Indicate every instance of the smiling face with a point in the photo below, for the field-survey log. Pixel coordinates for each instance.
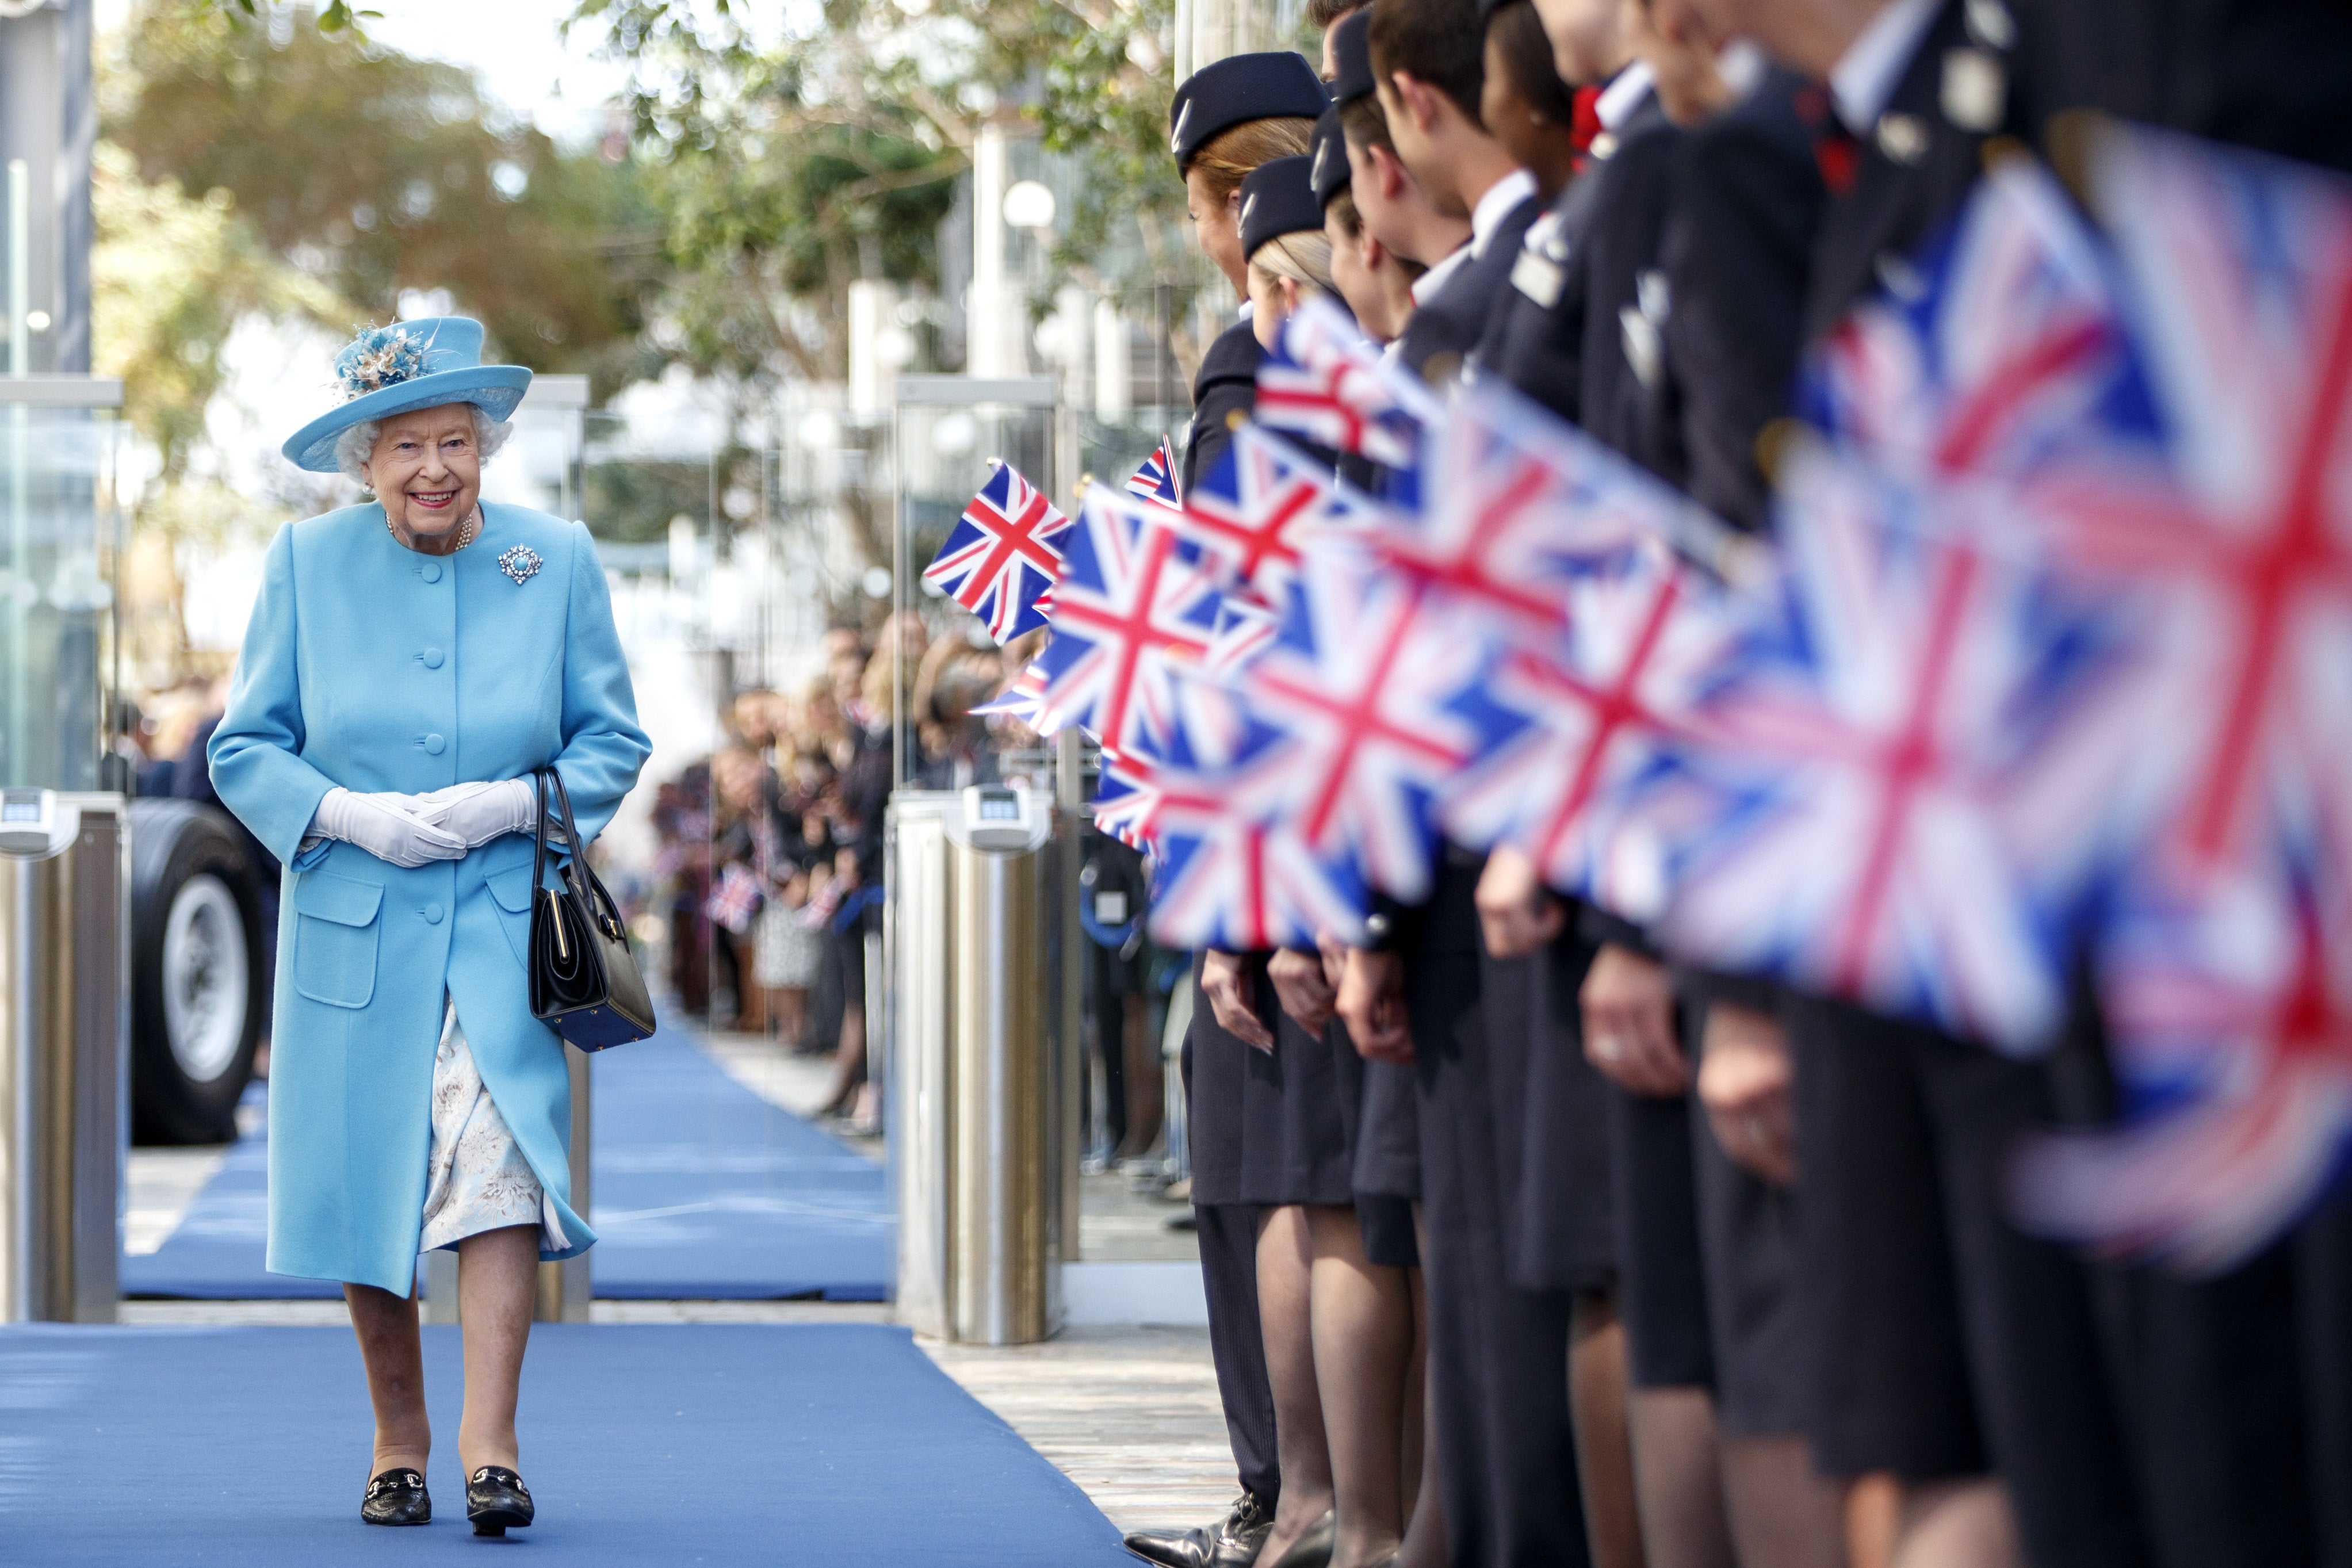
(426, 469)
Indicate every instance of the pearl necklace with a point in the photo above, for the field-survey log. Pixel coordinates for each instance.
(468, 530)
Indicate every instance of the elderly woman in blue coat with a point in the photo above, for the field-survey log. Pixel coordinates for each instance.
(409, 663)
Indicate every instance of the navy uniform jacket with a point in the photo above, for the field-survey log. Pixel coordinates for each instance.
(1744, 202)
(1446, 327)
(1912, 170)
(1226, 385)
(1535, 333)
(1624, 304)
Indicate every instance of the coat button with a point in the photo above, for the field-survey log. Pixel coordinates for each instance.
(434, 745)
(432, 658)
(430, 570)
(432, 914)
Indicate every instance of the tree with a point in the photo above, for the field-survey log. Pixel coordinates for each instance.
(377, 174)
(812, 149)
(172, 275)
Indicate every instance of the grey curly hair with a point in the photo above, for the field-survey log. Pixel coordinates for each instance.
(356, 444)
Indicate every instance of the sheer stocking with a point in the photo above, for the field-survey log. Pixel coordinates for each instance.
(1363, 1316)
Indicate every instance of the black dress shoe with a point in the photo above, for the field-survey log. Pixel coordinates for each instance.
(497, 1500)
(397, 1496)
(1232, 1541)
(1314, 1549)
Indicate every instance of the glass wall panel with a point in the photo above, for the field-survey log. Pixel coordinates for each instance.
(58, 530)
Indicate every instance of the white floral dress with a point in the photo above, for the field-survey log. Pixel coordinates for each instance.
(476, 1177)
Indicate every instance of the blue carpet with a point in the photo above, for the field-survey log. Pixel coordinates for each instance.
(784, 1444)
(703, 1190)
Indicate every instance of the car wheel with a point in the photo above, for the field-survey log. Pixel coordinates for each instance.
(198, 972)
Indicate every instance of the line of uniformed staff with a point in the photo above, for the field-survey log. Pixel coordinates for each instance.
(1522, 1246)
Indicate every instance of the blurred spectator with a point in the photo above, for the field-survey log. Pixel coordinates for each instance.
(738, 825)
(954, 746)
(771, 865)
(682, 826)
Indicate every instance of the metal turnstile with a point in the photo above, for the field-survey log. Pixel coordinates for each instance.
(981, 1094)
(65, 1039)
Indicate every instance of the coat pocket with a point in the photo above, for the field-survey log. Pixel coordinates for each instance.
(335, 938)
(510, 891)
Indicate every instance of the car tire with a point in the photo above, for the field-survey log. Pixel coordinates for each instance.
(199, 972)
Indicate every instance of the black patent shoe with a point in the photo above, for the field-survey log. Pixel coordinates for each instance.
(397, 1496)
(1314, 1549)
(1233, 1542)
(497, 1500)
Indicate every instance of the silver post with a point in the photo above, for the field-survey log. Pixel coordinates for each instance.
(18, 573)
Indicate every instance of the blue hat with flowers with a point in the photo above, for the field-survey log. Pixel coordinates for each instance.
(407, 366)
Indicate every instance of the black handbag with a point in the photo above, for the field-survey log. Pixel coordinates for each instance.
(584, 978)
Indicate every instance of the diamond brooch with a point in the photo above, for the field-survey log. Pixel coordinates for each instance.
(521, 564)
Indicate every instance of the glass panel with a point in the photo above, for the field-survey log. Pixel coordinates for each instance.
(540, 465)
(59, 529)
(943, 456)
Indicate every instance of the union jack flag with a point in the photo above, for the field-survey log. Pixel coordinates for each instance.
(2239, 293)
(1156, 478)
(1371, 687)
(1126, 801)
(1257, 508)
(1525, 501)
(1325, 383)
(1234, 871)
(999, 559)
(1244, 628)
(1597, 707)
(1133, 598)
(1918, 752)
(1916, 743)
(1991, 351)
(2229, 1004)
(1554, 553)
(736, 898)
(1024, 702)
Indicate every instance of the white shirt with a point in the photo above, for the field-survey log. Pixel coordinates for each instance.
(1873, 65)
(1487, 216)
(1496, 205)
(1624, 95)
(1431, 281)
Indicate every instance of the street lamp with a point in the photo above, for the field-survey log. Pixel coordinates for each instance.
(1029, 204)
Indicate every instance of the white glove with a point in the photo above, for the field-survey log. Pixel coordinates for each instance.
(478, 813)
(384, 831)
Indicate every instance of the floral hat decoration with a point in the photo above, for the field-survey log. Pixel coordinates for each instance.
(406, 366)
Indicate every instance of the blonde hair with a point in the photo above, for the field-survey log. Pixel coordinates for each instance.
(1304, 257)
(1226, 160)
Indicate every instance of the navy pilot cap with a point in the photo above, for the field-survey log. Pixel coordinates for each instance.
(1330, 168)
(1351, 53)
(1239, 89)
(1278, 198)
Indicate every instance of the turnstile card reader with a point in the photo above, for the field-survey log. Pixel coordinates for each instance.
(996, 820)
(35, 823)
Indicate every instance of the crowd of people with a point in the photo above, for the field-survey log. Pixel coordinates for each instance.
(1521, 1245)
(768, 875)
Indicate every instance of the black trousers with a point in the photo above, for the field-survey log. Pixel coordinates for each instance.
(1228, 1235)
(1498, 1355)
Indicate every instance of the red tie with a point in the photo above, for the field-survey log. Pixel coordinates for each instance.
(1835, 152)
(1585, 125)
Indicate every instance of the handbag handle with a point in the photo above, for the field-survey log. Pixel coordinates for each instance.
(599, 907)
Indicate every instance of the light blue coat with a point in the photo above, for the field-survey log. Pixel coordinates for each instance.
(370, 666)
